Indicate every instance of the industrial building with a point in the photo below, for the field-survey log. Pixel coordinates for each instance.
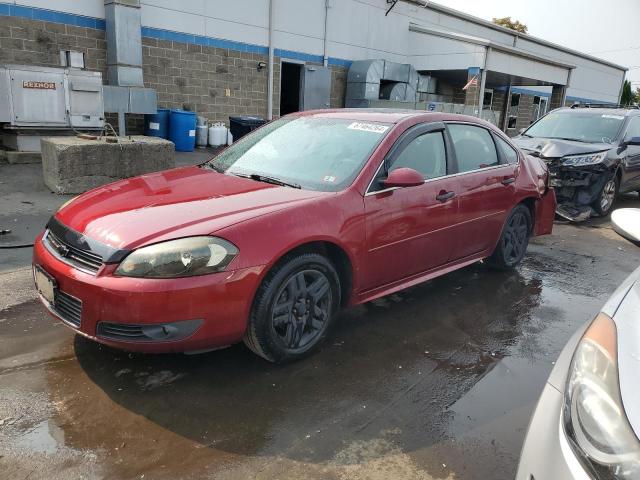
(272, 57)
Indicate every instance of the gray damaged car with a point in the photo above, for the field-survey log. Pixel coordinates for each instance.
(587, 422)
(593, 154)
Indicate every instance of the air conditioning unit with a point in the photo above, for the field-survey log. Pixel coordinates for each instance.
(37, 101)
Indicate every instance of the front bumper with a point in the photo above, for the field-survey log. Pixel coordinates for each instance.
(577, 188)
(214, 307)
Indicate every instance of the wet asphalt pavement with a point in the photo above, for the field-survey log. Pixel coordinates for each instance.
(435, 382)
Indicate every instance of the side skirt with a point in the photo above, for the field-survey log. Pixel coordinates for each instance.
(372, 294)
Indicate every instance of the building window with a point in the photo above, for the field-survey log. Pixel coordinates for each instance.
(513, 110)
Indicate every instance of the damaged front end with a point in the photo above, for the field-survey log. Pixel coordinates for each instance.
(577, 187)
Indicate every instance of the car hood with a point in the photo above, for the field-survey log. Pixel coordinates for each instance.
(172, 204)
(554, 148)
(627, 318)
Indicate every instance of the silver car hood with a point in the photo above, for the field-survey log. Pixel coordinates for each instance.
(624, 308)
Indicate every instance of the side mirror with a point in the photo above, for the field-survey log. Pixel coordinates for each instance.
(403, 177)
(626, 222)
(633, 141)
(522, 130)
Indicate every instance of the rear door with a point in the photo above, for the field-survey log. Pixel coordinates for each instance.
(487, 167)
(409, 229)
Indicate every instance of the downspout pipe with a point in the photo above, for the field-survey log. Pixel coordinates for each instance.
(270, 80)
(325, 56)
(483, 81)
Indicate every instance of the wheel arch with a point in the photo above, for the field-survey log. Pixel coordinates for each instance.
(336, 254)
(530, 203)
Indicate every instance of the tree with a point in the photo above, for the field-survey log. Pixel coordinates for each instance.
(627, 94)
(637, 99)
(512, 24)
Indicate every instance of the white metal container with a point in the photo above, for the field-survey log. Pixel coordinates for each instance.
(201, 136)
(217, 135)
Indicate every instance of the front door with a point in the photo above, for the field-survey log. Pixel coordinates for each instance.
(486, 185)
(631, 177)
(408, 229)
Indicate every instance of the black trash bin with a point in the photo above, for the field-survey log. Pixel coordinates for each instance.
(242, 125)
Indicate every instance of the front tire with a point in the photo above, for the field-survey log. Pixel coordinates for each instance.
(607, 197)
(294, 308)
(513, 241)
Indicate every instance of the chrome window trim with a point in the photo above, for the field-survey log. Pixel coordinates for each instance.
(52, 251)
(368, 191)
(495, 167)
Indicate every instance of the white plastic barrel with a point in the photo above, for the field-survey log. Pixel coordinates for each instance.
(229, 137)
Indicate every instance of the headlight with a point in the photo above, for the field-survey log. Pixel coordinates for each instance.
(594, 416)
(185, 257)
(581, 160)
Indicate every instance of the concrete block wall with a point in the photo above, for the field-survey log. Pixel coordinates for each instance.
(34, 42)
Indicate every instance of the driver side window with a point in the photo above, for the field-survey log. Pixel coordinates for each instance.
(634, 128)
(425, 154)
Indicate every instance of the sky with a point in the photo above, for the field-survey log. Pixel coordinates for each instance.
(608, 29)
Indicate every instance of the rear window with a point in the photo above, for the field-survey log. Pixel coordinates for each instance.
(581, 127)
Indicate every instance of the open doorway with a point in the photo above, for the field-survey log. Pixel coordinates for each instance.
(290, 78)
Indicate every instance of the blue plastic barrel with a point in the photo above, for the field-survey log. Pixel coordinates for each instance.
(157, 124)
(182, 130)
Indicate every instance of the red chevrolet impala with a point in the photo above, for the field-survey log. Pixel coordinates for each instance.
(265, 242)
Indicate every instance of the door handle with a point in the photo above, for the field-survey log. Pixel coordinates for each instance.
(444, 196)
(508, 180)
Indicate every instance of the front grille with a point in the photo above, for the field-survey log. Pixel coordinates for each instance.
(82, 259)
(120, 331)
(68, 308)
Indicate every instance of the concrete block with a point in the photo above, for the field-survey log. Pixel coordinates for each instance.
(72, 165)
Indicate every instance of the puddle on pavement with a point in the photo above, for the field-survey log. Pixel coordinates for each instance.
(45, 437)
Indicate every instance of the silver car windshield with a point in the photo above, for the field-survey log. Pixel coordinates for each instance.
(587, 127)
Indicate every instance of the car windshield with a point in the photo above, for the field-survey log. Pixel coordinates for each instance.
(314, 153)
(582, 127)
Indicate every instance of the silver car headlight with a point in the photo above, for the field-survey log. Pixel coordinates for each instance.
(582, 160)
(594, 417)
(185, 257)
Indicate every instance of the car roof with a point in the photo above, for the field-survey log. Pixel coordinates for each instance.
(622, 112)
(389, 115)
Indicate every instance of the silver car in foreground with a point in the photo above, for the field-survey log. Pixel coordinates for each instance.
(587, 422)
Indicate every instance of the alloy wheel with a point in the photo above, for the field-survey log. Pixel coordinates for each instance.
(302, 309)
(608, 195)
(515, 237)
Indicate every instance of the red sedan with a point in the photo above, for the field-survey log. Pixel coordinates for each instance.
(265, 242)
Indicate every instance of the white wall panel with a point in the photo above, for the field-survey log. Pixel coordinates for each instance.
(305, 19)
(232, 31)
(432, 52)
(523, 67)
(158, 17)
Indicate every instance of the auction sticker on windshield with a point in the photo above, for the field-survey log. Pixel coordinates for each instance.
(368, 127)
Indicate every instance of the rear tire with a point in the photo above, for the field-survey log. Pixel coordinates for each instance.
(513, 241)
(607, 197)
(294, 308)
